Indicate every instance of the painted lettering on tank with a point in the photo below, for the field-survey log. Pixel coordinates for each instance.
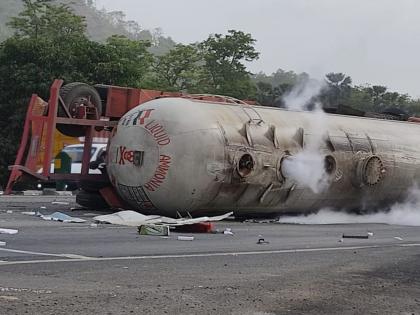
(160, 174)
(158, 132)
(137, 118)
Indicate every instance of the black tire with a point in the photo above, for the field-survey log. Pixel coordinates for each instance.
(91, 200)
(72, 94)
(91, 186)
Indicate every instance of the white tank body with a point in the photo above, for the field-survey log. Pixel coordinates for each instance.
(182, 155)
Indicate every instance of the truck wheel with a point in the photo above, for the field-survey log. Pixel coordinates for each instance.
(91, 200)
(74, 95)
(91, 186)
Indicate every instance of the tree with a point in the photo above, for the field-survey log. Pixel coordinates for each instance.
(42, 19)
(224, 57)
(123, 61)
(338, 91)
(178, 70)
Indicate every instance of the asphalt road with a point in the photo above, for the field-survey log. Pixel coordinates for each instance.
(68, 268)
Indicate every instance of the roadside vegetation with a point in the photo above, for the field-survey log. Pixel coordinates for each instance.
(48, 39)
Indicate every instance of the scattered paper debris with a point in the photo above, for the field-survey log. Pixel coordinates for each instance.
(185, 238)
(133, 218)
(31, 213)
(398, 238)
(32, 193)
(60, 203)
(155, 230)
(8, 231)
(62, 217)
(228, 231)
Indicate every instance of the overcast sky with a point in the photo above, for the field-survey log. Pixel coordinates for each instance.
(373, 41)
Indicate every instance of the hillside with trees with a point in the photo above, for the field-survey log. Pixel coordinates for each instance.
(100, 24)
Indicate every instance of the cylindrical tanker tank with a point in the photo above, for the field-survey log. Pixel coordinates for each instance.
(178, 155)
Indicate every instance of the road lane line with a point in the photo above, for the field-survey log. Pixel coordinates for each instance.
(43, 254)
(219, 254)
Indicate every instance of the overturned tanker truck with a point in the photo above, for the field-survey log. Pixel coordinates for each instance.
(201, 154)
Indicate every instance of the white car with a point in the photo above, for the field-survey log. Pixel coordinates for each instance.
(75, 151)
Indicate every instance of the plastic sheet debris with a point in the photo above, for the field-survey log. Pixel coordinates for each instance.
(398, 238)
(62, 217)
(154, 230)
(185, 238)
(132, 218)
(228, 231)
(361, 236)
(8, 231)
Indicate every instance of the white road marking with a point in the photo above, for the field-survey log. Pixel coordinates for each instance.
(220, 254)
(43, 254)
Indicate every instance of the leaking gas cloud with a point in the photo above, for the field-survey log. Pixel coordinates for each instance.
(404, 213)
(303, 94)
(307, 167)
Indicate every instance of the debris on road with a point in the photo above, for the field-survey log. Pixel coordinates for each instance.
(228, 231)
(262, 241)
(2, 243)
(398, 238)
(133, 218)
(60, 203)
(31, 213)
(185, 238)
(370, 233)
(154, 230)
(8, 231)
(355, 236)
(9, 211)
(202, 227)
(62, 217)
(32, 193)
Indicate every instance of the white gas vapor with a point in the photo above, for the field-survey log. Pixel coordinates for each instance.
(303, 93)
(307, 167)
(405, 213)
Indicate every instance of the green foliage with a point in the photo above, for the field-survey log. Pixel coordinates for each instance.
(338, 89)
(178, 70)
(224, 69)
(123, 61)
(41, 19)
(271, 88)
